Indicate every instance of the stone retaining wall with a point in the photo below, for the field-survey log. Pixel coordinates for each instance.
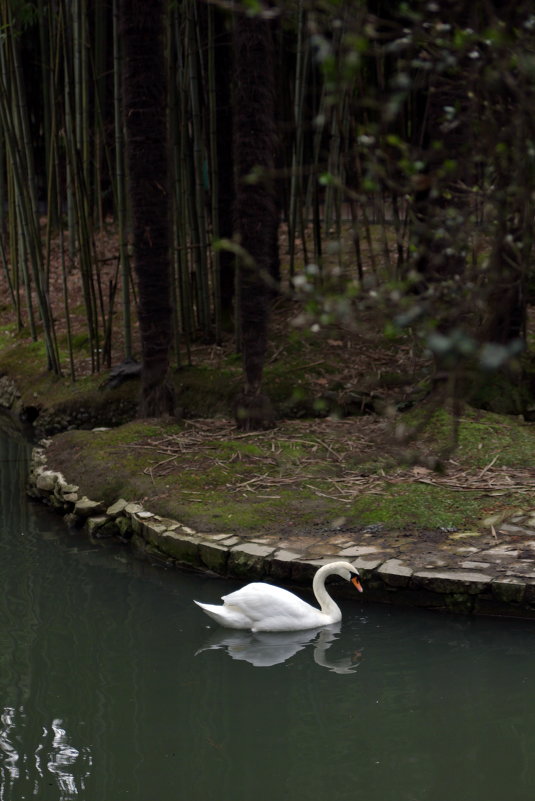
(462, 587)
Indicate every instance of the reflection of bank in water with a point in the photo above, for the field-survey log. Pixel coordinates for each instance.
(264, 649)
(50, 757)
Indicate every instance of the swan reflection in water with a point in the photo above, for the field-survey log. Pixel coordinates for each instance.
(264, 649)
(53, 755)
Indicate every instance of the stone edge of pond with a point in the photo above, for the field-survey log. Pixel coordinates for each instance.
(456, 589)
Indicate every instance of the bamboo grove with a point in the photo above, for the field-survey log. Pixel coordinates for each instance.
(404, 161)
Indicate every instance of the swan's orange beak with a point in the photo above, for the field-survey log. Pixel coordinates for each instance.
(357, 583)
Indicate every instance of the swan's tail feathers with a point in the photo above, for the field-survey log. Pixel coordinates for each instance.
(226, 616)
(210, 609)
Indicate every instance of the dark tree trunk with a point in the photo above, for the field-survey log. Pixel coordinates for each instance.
(510, 258)
(144, 95)
(507, 295)
(225, 166)
(255, 209)
(437, 235)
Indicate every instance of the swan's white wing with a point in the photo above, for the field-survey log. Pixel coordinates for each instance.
(259, 599)
(273, 609)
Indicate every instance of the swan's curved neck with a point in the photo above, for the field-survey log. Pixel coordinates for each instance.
(327, 604)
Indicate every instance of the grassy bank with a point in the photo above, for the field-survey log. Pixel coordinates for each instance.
(304, 476)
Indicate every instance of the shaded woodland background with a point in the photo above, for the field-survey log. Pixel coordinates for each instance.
(172, 170)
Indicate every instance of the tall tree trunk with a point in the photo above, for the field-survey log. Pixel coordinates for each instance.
(144, 97)
(255, 210)
(510, 261)
(225, 166)
(438, 235)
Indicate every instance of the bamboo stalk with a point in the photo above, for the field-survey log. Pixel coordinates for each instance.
(78, 216)
(214, 174)
(120, 187)
(14, 120)
(182, 185)
(197, 208)
(297, 153)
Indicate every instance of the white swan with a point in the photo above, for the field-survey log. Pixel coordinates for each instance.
(263, 607)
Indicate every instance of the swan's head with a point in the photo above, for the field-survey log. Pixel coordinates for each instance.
(347, 571)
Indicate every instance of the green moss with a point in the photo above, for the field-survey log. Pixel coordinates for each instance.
(8, 333)
(302, 380)
(231, 448)
(79, 342)
(482, 436)
(205, 391)
(227, 511)
(26, 363)
(504, 394)
(415, 505)
(128, 434)
(508, 440)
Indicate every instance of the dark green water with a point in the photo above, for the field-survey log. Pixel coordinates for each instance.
(114, 686)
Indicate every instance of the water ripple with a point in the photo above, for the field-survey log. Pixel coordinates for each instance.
(28, 763)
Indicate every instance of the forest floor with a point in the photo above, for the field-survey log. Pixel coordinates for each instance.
(358, 443)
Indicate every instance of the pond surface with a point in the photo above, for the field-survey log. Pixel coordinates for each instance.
(114, 686)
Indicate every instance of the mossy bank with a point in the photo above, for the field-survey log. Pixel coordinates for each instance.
(466, 572)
